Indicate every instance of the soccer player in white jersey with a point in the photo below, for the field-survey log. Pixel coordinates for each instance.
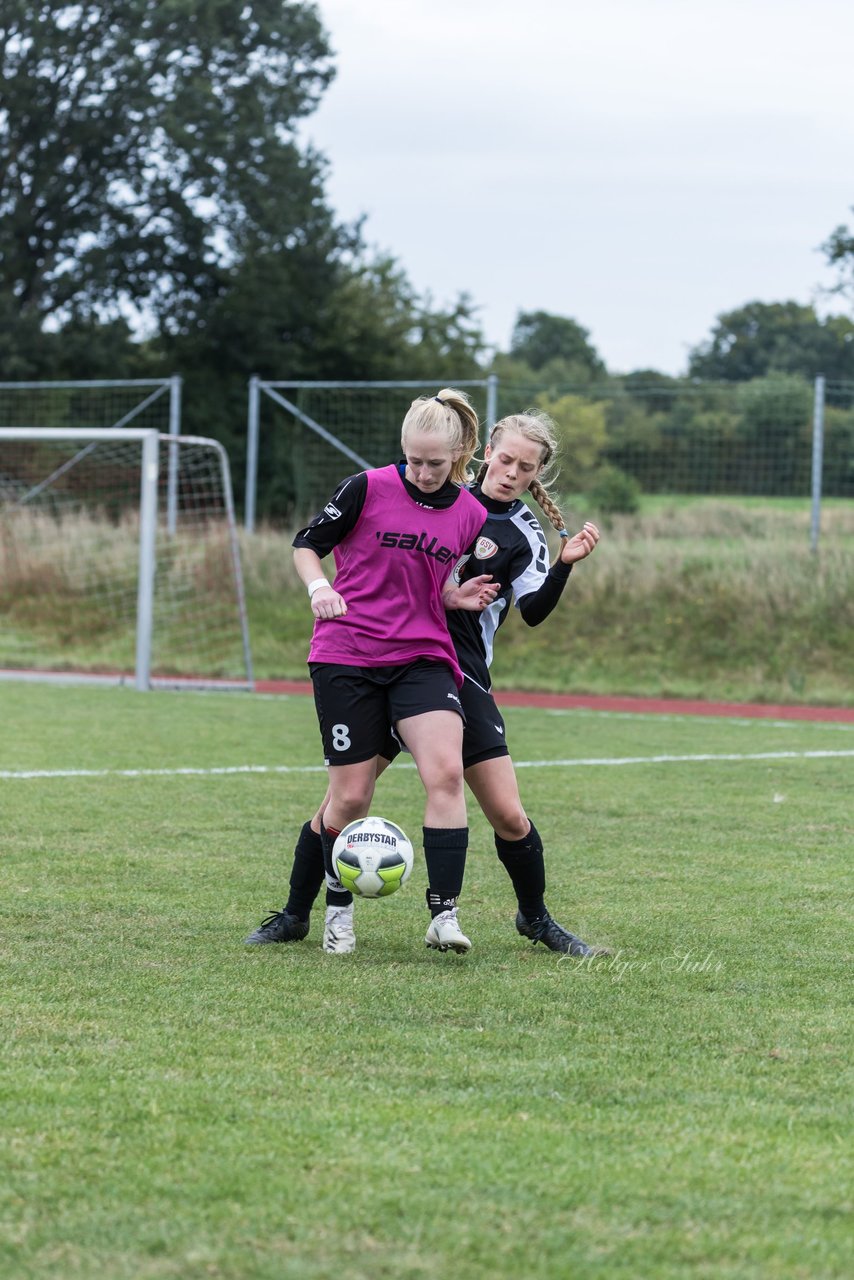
(512, 550)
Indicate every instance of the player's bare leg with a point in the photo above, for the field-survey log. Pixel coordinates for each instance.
(435, 740)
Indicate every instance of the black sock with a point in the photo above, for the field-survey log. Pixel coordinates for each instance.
(306, 873)
(523, 860)
(339, 897)
(445, 857)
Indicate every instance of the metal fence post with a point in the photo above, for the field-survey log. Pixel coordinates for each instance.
(172, 478)
(491, 401)
(252, 453)
(817, 459)
(147, 556)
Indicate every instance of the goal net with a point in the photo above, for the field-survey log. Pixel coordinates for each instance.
(146, 403)
(119, 559)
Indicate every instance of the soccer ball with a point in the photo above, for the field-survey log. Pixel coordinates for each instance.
(372, 857)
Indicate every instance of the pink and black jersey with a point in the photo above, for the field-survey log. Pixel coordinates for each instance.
(393, 555)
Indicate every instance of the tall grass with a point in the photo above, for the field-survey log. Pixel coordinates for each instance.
(701, 598)
(706, 599)
(710, 600)
(68, 593)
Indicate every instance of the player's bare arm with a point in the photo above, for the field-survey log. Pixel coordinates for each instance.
(473, 595)
(325, 600)
(580, 545)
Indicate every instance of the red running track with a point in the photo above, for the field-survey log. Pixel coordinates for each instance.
(650, 706)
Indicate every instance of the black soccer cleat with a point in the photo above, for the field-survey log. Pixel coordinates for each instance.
(555, 937)
(281, 926)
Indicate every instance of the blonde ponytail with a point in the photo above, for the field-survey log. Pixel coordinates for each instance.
(451, 416)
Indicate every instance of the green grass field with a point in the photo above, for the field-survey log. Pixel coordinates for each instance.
(175, 1104)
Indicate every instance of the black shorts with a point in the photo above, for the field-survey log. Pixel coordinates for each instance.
(357, 706)
(484, 735)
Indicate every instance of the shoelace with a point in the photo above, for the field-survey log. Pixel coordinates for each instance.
(548, 925)
(272, 919)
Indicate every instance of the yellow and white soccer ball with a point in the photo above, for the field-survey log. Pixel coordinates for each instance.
(372, 857)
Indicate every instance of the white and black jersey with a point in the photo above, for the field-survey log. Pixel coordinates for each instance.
(512, 548)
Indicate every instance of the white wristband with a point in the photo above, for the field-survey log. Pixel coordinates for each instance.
(316, 585)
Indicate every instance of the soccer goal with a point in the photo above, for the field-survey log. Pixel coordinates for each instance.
(119, 559)
(115, 402)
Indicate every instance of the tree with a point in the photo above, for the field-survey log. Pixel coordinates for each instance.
(314, 316)
(147, 147)
(544, 341)
(581, 433)
(377, 326)
(839, 251)
(776, 427)
(655, 391)
(775, 337)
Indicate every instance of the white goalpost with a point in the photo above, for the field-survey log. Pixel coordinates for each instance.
(119, 559)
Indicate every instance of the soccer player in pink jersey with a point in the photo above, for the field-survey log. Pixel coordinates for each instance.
(381, 654)
(520, 457)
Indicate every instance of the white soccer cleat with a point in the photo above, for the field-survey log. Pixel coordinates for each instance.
(445, 933)
(339, 936)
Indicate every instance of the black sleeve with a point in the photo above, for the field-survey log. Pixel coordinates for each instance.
(537, 606)
(337, 518)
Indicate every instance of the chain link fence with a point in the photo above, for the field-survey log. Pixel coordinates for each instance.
(733, 439)
(304, 437)
(780, 436)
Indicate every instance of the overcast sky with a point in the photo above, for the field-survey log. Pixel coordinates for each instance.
(638, 165)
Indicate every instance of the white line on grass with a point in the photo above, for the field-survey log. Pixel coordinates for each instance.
(12, 775)
(710, 756)
(755, 722)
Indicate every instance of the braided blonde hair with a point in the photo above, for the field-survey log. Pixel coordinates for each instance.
(537, 426)
(451, 416)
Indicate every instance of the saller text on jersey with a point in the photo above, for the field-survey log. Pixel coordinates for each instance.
(416, 542)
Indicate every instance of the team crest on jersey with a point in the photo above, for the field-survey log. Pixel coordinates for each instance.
(457, 573)
(484, 548)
